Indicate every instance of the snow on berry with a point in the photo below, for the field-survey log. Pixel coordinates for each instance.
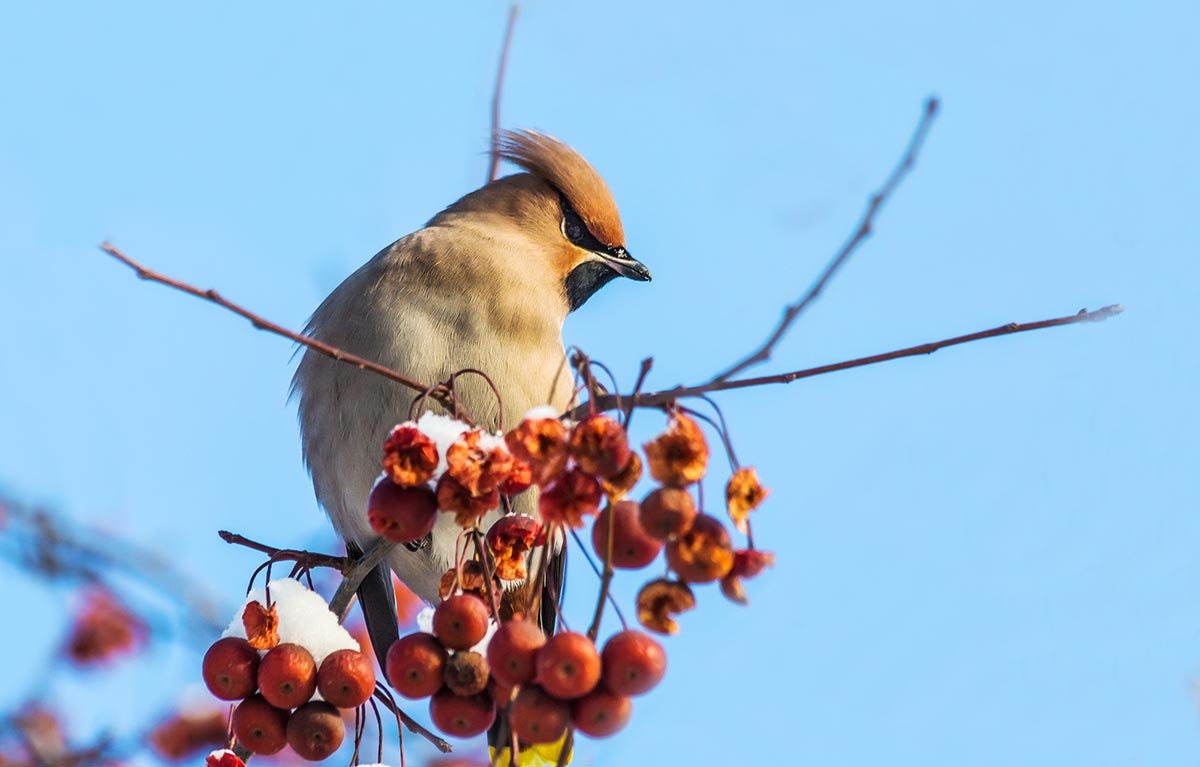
(304, 619)
(223, 758)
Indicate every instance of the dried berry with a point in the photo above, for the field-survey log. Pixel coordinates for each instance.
(519, 479)
(747, 563)
(541, 443)
(618, 486)
(678, 456)
(478, 465)
(659, 600)
(743, 494)
(409, 456)
(599, 445)
(455, 498)
(704, 553)
(261, 624)
(510, 539)
(466, 673)
(573, 496)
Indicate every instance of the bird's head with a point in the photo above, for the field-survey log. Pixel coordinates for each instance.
(563, 209)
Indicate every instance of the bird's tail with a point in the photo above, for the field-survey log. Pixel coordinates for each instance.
(378, 601)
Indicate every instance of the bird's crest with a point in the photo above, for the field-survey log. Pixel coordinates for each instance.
(566, 170)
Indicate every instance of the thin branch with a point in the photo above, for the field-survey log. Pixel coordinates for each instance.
(861, 233)
(259, 323)
(596, 569)
(412, 724)
(308, 558)
(663, 398)
(353, 578)
(643, 371)
(497, 95)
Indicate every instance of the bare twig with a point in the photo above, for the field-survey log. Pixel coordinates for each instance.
(497, 94)
(412, 724)
(308, 558)
(596, 569)
(606, 578)
(861, 233)
(643, 371)
(439, 393)
(661, 399)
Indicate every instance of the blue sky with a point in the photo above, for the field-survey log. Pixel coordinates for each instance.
(987, 556)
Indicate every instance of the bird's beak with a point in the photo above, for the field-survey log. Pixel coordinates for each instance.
(619, 260)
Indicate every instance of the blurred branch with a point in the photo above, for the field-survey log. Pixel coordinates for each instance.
(46, 544)
(861, 233)
(497, 94)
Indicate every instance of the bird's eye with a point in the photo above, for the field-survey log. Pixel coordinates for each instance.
(573, 229)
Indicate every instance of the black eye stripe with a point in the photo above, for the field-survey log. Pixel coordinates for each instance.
(585, 239)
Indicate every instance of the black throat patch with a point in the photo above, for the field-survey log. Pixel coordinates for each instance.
(584, 280)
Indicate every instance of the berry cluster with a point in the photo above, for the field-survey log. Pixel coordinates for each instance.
(549, 683)
(290, 692)
(480, 657)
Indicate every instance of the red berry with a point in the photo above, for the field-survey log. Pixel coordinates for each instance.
(346, 678)
(461, 621)
(667, 511)
(537, 717)
(315, 731)
(401, 514)
(600, 713)
(633, 663)
(259, 726)
(512, 651)
(415, 665)
(287, 676)
(568, 666)
(466, 673)
(632, 546)
(461, 717)
(230, 668)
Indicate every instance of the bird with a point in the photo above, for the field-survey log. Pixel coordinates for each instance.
(486, 284)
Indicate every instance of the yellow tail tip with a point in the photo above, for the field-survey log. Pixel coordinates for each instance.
(540, 755)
